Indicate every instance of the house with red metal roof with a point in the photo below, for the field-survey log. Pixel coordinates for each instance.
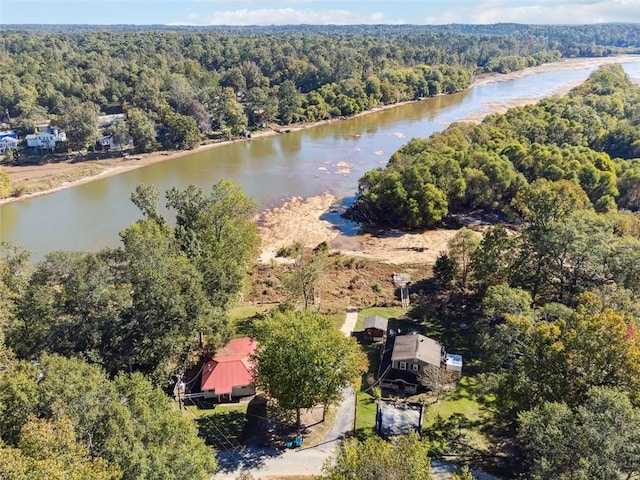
(228, 375)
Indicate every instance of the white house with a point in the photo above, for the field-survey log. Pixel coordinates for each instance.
(46, 138)
(108, 143)
(41, 140)
(8, 143)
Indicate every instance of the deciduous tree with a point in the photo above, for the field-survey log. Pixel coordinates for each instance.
(80, 123)
(302, 360)
(375, 459)
(599, 439)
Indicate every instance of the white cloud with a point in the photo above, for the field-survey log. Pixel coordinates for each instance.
(286, 16)
(541, 12)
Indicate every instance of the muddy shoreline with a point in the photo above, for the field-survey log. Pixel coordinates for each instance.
(99, 169)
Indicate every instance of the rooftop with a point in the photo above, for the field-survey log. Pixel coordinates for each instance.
(376, 321)
(407, 347)
(231, 366)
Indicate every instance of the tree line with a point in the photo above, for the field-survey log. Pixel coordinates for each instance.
(553, 312)
(586, 141)
(551, 298)
(180, 85)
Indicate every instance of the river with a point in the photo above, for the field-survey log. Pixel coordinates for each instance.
(327, 158)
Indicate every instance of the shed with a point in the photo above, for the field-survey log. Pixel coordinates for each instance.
(454, 363)
(375, 328)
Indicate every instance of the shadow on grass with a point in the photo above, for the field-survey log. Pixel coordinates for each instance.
(470, 388)
(223, 430)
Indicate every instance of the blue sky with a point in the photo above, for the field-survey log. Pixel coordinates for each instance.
(278, 12)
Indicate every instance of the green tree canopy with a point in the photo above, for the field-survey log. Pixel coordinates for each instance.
(48, 449)
(80, 123)
(125, 422)
(302, 360)
(374, 459)
(559, 357)
(599, 439)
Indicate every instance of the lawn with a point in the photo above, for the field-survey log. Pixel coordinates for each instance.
(471, 410)
(365, 415)
(386, 312)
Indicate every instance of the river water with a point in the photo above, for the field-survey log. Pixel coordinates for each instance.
(328, 158)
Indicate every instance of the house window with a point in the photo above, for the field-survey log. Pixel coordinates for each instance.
(403, 365)
(415, 367)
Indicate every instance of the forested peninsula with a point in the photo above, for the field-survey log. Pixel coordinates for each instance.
(545, 300)
(588, 140)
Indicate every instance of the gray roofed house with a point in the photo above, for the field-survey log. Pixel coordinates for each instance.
(375, 328)
(417, 348)
(403, 356)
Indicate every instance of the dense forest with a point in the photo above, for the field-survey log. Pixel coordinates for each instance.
(585, 143)
(179, 85)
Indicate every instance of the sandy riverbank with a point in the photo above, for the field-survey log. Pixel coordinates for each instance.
(70, 173)
(300, 220)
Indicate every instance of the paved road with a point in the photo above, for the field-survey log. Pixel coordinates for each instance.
(261, 462)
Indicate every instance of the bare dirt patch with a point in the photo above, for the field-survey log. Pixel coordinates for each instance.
(299, 220)
(358, 275)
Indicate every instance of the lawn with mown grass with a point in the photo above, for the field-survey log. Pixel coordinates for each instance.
(365, 415)
(472, 411)
(386, 312)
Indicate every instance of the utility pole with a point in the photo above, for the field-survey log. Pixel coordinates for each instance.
(179, 390)
(355, 409)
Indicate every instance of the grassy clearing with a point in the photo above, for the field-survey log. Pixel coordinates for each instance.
(387, 312)
(365, 415)
(472, 409)
(218, 409)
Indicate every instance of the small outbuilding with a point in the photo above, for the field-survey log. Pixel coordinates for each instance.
(454, 364)
(375, 328)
